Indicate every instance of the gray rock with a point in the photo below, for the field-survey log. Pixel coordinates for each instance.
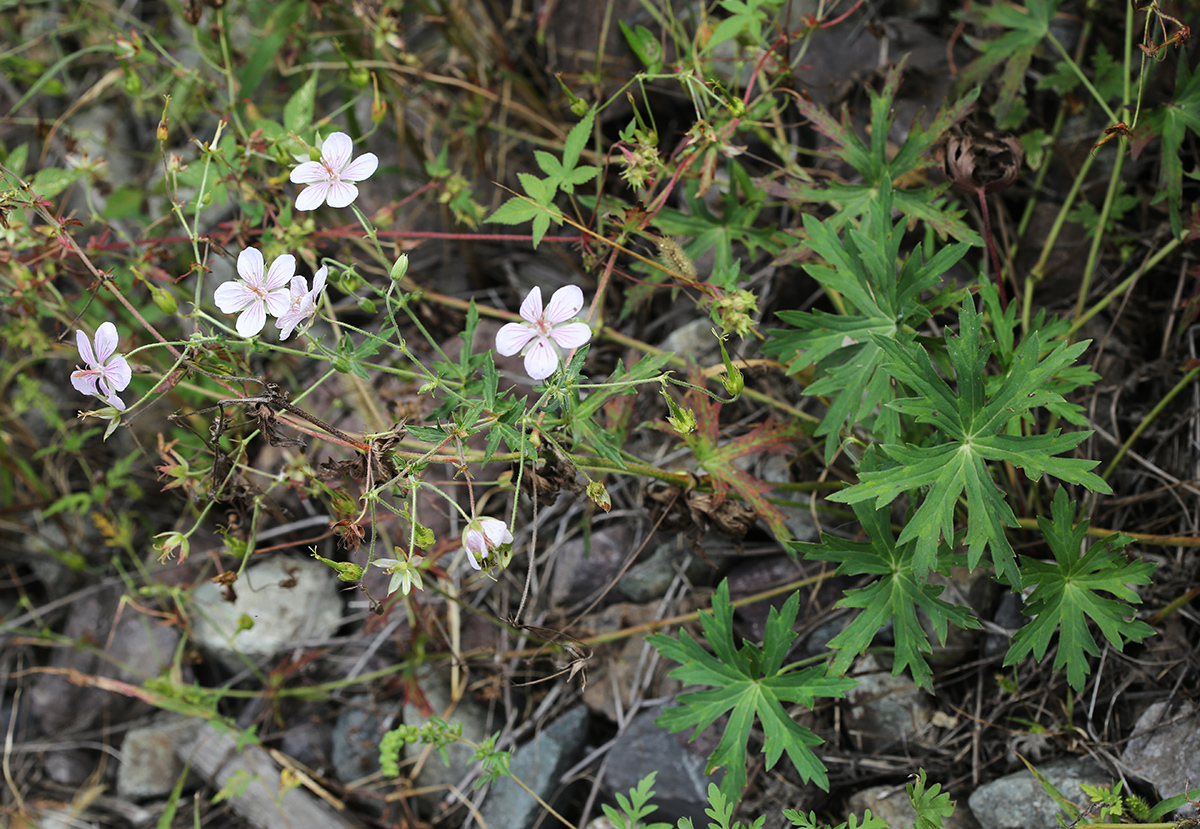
(681, 787)
(435, 773)
(619, 668)
(282, 616)
(648, 580)
(892, 804)
(885, 708)
(1018, 801)
(265, 802)
(360, 726)
(776, 469)
(1163, 750)
(138, 648)
(694, 340)
(149, 765)
(584, 566)
(538, 764)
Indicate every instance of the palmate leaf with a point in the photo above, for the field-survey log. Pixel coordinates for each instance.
(970, 424)
(894, 597)
(1173, 121)
(1066, 594)
(719, 458)
(748, 684)
(1026, 28)
(880, 302)
(877, 165)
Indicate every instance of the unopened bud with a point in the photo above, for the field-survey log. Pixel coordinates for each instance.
(163, 300)
(346, 571)
(599, 495)
(733, 380)
(400, 268)
(162, 133)
(682, 420)
(378, 105)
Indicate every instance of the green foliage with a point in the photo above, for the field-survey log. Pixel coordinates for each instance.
(878, 302)
(1025, 29)
(973, 424)
(635, 807)
(746, 18)
(723, 233)
(1066, 593)
(562, 176)
(749, 684)
(877, 165)
(894, 597)
(1173, 121)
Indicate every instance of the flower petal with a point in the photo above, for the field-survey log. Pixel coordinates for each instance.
(287, 324)
(114, 401)
(278, 302)
(571, 334)
(282, 270)
(541, 360)
(319, 281)
(250, 266)
(252, 320)
(117, 373)
(84, 380)
(106, 342)
(512, 337)
(341, 194)
(531, 308)
(85, 349)
(232, 297)
(336, 152)
(361, 168)
(310, 172)
(566, 303)
(495, 531)
(312, 196)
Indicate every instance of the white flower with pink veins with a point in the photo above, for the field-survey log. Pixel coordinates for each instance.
(257, 293)
(483, 537)
(331, 179)
(543, 329)
(107, 371)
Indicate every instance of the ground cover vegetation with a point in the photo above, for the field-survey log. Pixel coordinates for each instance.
(391, 285)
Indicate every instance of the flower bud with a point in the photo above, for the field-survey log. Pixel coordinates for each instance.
(682, 420)
(599, 495)
(733, 380)
(378, 105)
(346, 571)
(163, 300)
(399, 268)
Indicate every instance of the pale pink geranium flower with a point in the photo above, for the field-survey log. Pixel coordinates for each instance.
(107, 372)
(542, 326)
(329, 180)
(483, 537)
(303, 303)
(256, 293)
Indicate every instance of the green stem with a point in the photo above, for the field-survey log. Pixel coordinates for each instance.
(1149, 418)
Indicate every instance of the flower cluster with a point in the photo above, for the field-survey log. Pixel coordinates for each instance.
(275, 291)
(543, 326)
